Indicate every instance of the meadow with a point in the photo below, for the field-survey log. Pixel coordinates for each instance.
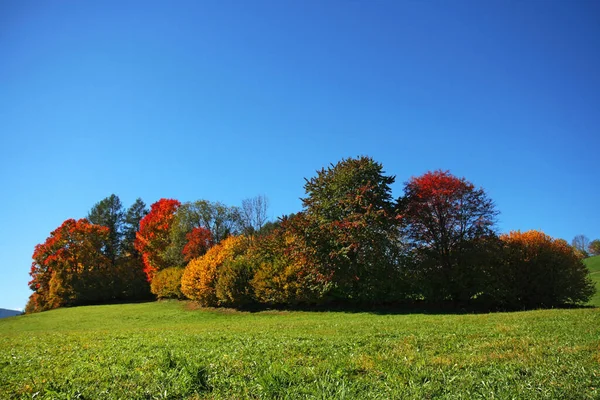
(593, 264)
(172, 350)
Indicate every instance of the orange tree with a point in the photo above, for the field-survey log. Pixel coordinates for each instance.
(70, 267)
(537, 270)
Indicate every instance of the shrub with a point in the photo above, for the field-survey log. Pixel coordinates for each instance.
(200, 276)
(233, 283)
(286, 272)
(167, 283)
(539, 271)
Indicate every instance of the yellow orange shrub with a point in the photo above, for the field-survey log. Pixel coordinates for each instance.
(200, 276)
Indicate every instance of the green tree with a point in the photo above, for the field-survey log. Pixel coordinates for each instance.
(134, 283)
(352, 228)
(131, 225)
(129, 281)
(109, 213)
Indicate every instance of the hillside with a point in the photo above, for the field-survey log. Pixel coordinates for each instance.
(170, 350)
(593, 263)
(8, 313)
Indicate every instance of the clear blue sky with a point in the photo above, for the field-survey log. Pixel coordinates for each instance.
(225, 100)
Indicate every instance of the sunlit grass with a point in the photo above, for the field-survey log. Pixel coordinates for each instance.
(166, 350)
(593, 263)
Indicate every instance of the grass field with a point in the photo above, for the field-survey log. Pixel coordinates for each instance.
(167, 350)
(593, 263)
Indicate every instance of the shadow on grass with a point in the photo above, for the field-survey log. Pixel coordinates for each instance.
(405, 308)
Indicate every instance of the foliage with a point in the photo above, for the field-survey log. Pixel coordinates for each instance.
(129, 281)
(233, 287)
(132, 278)
(286, 270)
(594, 247)
(153, 236)
(131, 225)
(539, 271)
(199, 240)
(167, 283)
(219, 219)
(70, 268)
(201, 274)
(165, 350)
(447, 221)
(109, 213)
(352, 229)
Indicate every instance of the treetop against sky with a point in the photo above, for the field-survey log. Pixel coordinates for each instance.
(227, 100)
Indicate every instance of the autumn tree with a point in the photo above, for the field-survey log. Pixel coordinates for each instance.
(287, 272)
(167, 283)
(197, 226)
(70, 267)
(594, 247)
(153, 237)
(198, 241)
(352, 229)
(447, 221)
(200, 277)
(539, 271)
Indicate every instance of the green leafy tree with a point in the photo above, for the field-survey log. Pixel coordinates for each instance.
(129, 282)
(351, 227)
(131, 225)
(134, 283)
(109, 213)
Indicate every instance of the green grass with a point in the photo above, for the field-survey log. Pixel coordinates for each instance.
(593, 263)
(166, 350)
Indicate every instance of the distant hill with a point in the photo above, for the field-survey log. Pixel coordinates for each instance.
(593, 263)
(8, 313)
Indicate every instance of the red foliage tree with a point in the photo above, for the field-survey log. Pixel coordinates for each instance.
(446, 219)
(70, 267)
(153, 237)
(199, 240)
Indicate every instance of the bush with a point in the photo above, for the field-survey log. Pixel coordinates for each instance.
(538, 271)
(286, 274)
(200, 276)
(233, 287)
(167, 283)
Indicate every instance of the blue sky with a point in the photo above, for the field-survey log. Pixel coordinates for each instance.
(224, 100)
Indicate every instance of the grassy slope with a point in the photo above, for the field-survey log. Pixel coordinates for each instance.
(593, 263)
(164, 350)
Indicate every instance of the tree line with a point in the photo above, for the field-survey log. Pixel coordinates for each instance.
(352, 243)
